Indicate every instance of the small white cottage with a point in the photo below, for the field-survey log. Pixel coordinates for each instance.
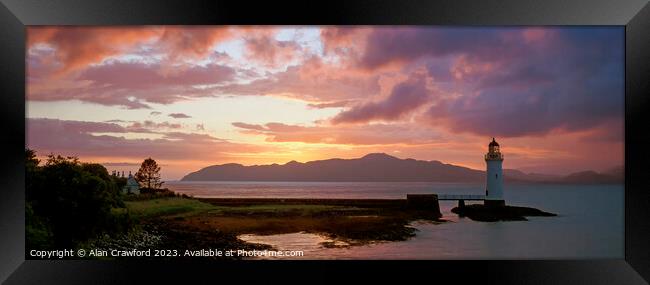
(132, 186)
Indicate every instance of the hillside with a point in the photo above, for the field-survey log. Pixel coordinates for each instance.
(378, 167)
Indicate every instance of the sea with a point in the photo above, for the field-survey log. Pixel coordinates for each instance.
(589, 225)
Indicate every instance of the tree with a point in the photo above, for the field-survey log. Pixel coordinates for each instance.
(149, 174)
(31, 170)
(68, 202)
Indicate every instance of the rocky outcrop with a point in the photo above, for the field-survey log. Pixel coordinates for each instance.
(482, 213)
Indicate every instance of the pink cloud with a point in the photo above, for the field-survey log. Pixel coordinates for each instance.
(492, 81)
(146, 126)
(77, 138)
(313, 81)
(347, 42)
(504, 82)
(142, 76)
(114, 84)
(263, 47)
(404, 98)
(192, 41)
(76, 47)
(56, 125)
(335, 104)
(376, 134)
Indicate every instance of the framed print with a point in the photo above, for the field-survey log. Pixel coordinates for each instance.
(492, 142)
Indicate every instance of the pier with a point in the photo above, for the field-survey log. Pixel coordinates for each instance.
(461, 198)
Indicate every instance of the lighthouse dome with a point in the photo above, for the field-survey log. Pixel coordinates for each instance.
(493, 143)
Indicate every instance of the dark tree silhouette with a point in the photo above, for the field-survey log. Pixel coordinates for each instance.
(149, 174)
(68, 202)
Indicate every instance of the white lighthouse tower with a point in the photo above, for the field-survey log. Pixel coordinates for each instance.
(494, 183)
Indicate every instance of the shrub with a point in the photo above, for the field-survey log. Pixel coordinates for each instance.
(153, 193)
(37, 234)
(75, 200)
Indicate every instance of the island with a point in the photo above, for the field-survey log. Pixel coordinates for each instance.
(380, 167)
(486, 213)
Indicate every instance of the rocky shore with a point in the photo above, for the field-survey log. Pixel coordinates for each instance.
(195, 224)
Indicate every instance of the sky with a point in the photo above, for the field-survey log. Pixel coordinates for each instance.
(194, 96)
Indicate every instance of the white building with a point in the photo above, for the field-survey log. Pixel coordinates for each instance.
(132, 186)
(494, 183)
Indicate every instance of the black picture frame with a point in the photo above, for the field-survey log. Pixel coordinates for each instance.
(633, 14)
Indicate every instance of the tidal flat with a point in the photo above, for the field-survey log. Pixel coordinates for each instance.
(196, 224)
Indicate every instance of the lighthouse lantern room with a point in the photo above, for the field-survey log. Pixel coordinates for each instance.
(494, 183)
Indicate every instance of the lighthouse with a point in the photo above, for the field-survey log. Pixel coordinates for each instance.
(494, 179)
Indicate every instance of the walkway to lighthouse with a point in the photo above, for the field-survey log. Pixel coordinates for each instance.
(461, 197)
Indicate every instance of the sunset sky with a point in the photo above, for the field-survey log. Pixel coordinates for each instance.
(191, 97)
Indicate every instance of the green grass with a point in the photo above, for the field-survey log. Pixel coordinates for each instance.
(178, 207)
(166, 207)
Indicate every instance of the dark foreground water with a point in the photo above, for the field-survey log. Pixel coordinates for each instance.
(589, 225)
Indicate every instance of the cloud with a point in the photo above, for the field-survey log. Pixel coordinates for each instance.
(123, 66)
(155, 113)
(503, 81)
(79, 138)
(335, 104)
(133, 85)
(404, 44)
(612, 131)
(69, 126)
(404, 98)
(192, 41)
(124, 75)
(313, 80)
(498, 81)
(345, 41)
(147, 126)
(78, 47)
(179, 116)
(375, 134)
(575, 83)
(262, 46)
(249, 126)
(161, 67)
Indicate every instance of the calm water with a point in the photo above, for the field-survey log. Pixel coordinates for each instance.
(589, 225)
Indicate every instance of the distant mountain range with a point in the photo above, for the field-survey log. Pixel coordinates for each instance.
(381, 167)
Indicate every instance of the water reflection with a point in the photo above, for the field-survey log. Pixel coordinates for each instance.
(589, 225)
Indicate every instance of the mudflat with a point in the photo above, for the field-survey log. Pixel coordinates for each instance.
(196, 224)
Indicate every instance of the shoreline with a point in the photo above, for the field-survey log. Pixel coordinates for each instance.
(218, 223)
(190, 223)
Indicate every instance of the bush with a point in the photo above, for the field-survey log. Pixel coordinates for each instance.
(76, 201)
(37, 234)
(153, 193)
